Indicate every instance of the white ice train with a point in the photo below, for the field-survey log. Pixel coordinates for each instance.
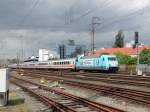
(103, 62)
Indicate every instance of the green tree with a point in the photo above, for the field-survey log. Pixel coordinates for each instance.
(145, 56)
(119, 40)
(125, 59)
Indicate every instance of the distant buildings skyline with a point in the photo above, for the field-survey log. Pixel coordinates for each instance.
(69, 49)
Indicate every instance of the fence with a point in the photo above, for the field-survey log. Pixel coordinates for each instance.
(131, 69)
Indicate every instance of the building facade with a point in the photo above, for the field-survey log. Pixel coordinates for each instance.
(45, 55)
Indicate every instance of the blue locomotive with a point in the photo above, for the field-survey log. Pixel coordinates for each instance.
(103, 62)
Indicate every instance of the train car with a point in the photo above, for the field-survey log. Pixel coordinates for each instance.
(28, 65)
(13, 66)
(63, 64)
(51, 64)
(43, 65)
(101, 63)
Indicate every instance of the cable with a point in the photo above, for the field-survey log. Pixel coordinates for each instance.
(28, 13)
(125, 17)
(78, 18)
(85, 14)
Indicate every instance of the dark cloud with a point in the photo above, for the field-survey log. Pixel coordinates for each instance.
(46, 23)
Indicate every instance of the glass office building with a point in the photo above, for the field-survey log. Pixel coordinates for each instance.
(70, 49)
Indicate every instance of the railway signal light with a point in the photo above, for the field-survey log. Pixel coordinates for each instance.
(136, 37)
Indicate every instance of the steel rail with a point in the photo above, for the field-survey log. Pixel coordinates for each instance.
(138, 96)
(50, 103)
(108, 79)
(99, 107)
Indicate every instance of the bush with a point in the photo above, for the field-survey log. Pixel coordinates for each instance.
(145, 56)
(125, 59)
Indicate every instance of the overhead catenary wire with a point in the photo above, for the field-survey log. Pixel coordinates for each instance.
(21, 23)
(71, 21)
(106, 2)
(74, 20)
(123, 18)
(28, 13)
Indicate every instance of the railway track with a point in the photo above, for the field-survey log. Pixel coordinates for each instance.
(60, 101)
(96, 75)
(133, 95)
(115, 79)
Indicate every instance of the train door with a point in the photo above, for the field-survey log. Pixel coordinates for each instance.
(102, 63)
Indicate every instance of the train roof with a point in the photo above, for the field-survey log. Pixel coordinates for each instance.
(96, 56)
(67, 59)
(31, 60)
(63, 59)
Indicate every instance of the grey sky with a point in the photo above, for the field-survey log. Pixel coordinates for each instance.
(46, 23)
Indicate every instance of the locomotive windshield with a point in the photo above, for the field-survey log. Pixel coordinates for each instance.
(112, 59)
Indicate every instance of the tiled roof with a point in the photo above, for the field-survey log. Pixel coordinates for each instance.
(127, 51)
